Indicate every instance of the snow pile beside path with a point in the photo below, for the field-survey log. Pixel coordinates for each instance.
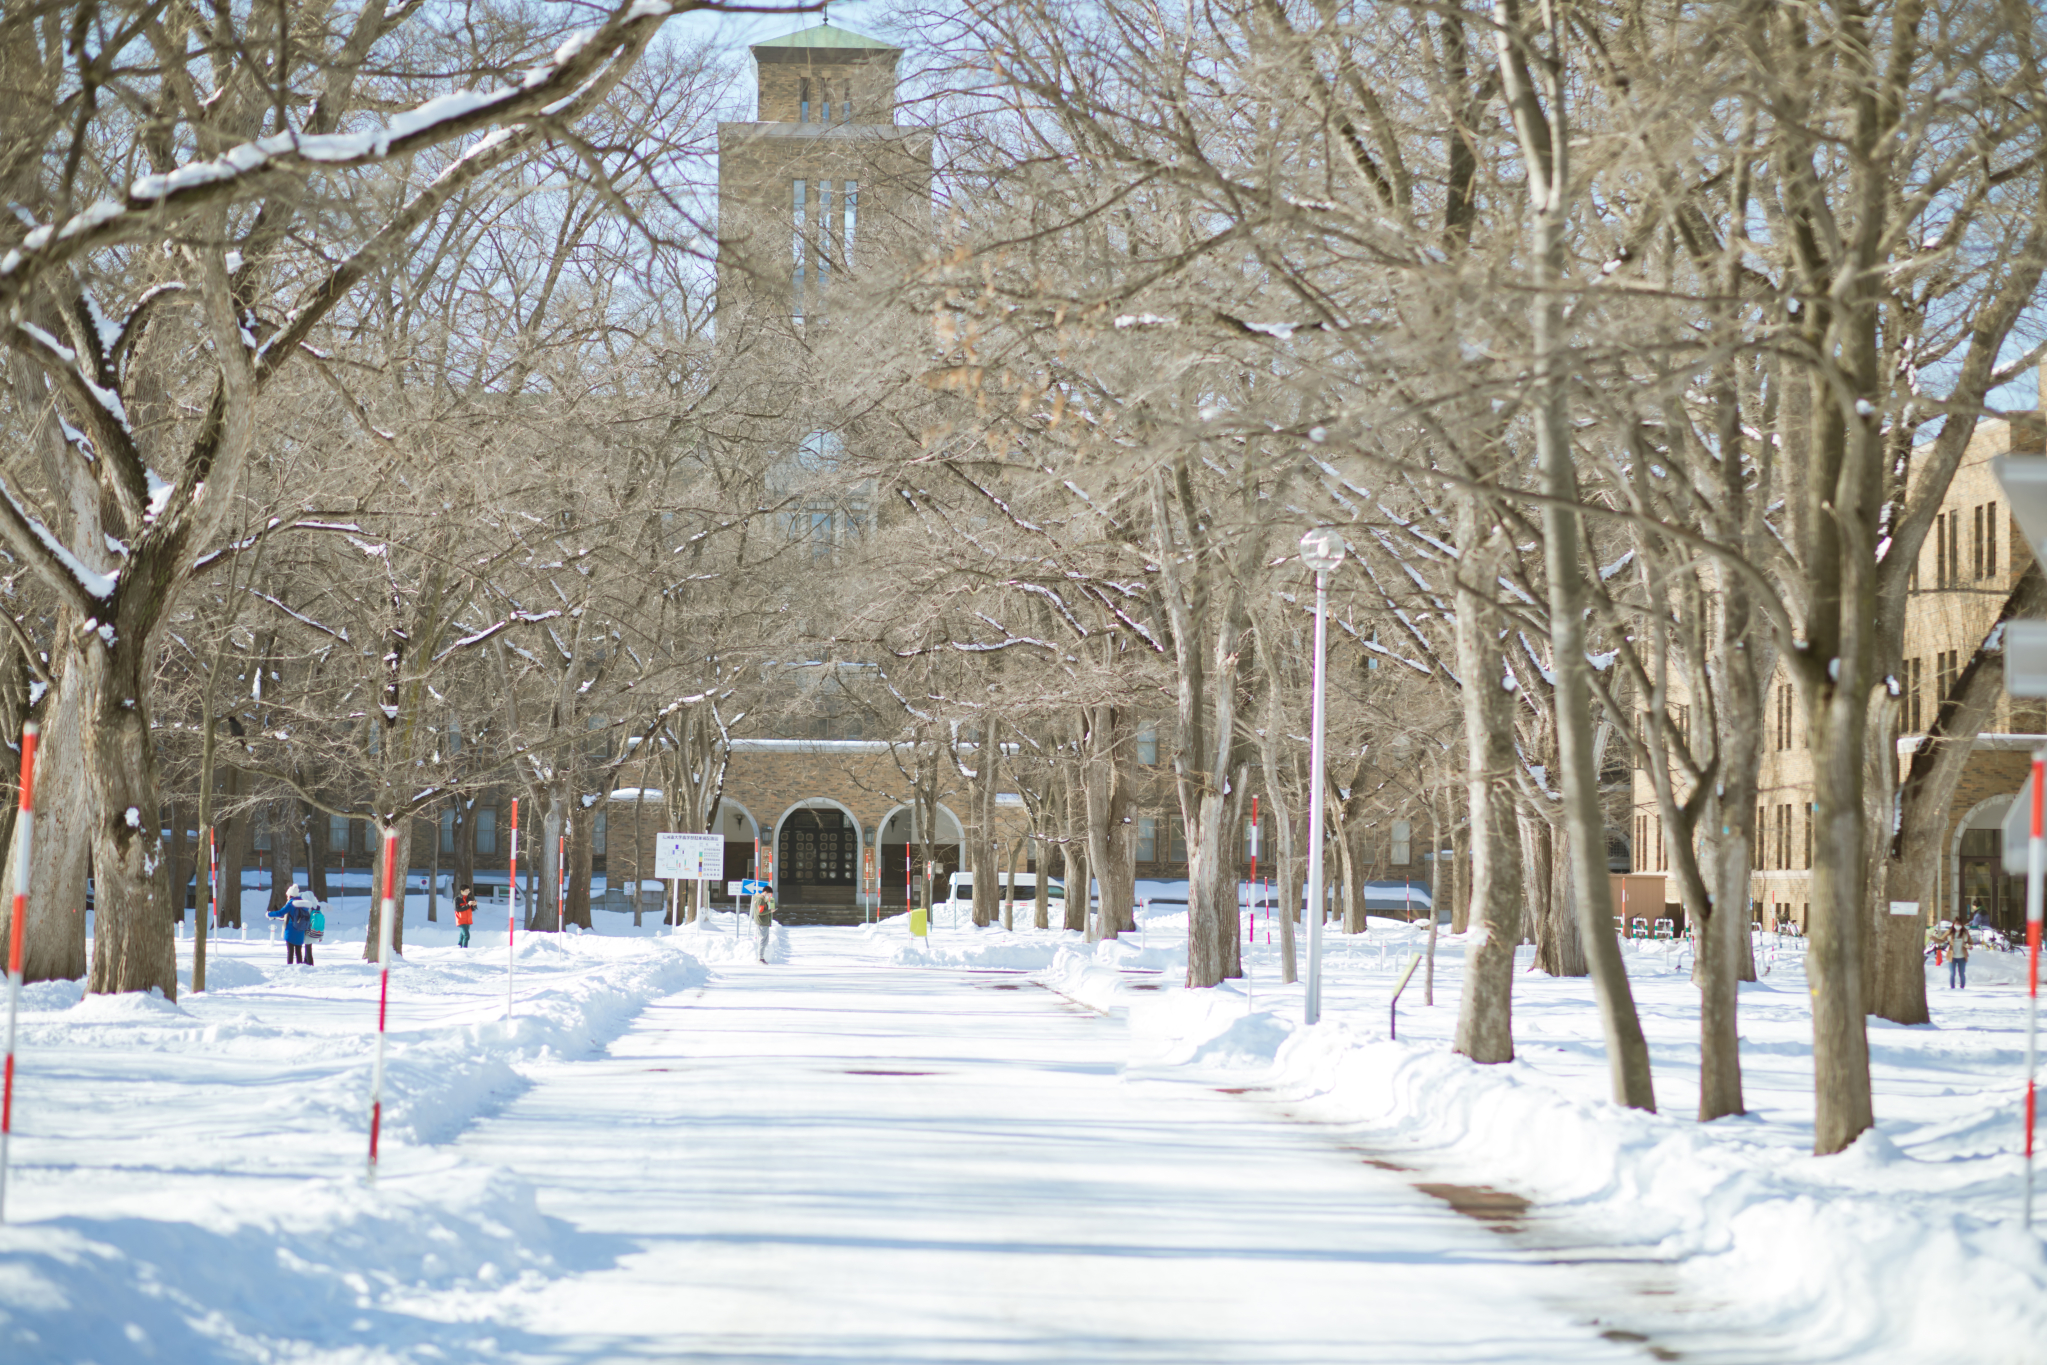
(1086, 980)
(987, 949)
(437, 1080)
(206, 1288)
(1863, 1254)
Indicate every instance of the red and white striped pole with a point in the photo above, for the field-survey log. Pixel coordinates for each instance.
(2036, 871)
(512, 900)
(384, 918)
(213, 875)
(18, 921)
(1253, 931)
(561, 884)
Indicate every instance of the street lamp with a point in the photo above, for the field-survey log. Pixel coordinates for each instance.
(1322, 551)
(2025, 675)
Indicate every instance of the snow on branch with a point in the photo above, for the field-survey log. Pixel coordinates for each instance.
(490, 631)
(254, 168)
(300, 617)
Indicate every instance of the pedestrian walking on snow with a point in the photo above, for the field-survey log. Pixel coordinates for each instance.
(1958, 942)
(297, 913)
(465, 913)
(763, 921)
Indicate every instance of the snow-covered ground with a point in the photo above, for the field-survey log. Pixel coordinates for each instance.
(874, 1150)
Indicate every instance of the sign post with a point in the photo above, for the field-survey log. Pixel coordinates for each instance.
(511, 907)
(17, 924)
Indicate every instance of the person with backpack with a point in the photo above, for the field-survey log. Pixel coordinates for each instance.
(1958, 942)
(465, 913)
(763, 921)
(297, 913)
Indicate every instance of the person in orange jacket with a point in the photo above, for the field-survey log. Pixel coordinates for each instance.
(465, 913)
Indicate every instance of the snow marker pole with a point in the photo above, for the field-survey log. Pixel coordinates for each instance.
(561, 882)
(1254, 868)
(512, 904)
(213, 873)
(17, 924)
(2036, 869)
(384, 918)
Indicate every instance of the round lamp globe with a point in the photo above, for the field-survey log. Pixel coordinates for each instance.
(1322, 549)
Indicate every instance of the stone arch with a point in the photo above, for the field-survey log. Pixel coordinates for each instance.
(892, 855)
(818, 877)
(1988, 813)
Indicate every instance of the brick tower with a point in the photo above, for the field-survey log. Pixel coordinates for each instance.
(824, 182)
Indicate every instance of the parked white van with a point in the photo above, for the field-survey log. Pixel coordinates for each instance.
(958, 904)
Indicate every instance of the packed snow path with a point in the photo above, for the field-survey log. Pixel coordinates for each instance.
(824, 1160)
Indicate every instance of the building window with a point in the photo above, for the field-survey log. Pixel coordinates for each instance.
(1914, 677)
(1656, 841)
(801, 242)
(824, 241)
(1990, 540)
(447, 831)
(1147, 839)
(1401, 842)
(487, 829)
(337, 833)
(1148, 745)
(849, 211)
(1947, 667)
(1808, 834)
(803, 102)
(1783, 717)
(263, 836)
(597, 835)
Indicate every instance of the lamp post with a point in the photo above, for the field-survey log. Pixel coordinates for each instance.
(1322, 551)
(2025, 675)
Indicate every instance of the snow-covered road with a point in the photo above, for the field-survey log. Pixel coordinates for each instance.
(825, 1160)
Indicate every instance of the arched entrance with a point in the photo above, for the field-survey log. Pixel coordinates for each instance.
(817, 864)
(742, 838)
(1977, 882)
(899, 840)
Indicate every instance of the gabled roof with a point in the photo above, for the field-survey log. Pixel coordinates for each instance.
(824, 36)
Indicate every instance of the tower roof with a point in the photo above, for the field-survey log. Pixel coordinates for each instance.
(824, 37)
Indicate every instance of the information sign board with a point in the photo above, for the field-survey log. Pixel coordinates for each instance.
(689, 857)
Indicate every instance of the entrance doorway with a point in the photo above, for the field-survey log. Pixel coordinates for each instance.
(1985, 886)
(818, 860)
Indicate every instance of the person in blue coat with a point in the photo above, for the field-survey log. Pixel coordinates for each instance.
(297, 914)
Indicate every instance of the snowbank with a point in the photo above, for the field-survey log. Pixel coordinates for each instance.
(1905, 1248)
(181, 1168)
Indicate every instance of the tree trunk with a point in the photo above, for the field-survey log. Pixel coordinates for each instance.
(541, 918)
(433, 869)
(283, 840)
(465, 841)
(317, 852)
(1540, 879)
(1485, 1012)
(1077, 892)
(1566, 936)
(582, 848)
(980, 846)
(232, 835)
(133, 947)
(1584, 818)
(1350, 867)
(53, 940)
(1460, 886)
(1041, 890)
